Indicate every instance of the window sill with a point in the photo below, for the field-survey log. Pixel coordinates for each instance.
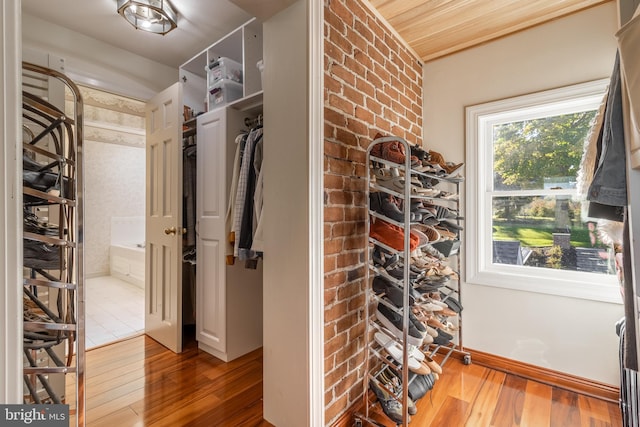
(550, 282)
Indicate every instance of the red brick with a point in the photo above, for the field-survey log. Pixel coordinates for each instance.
(363, 58)
(374, 80)
(334, 279)
(356, 302)
(348, 352)
(353, 95)
(364, 115)
(343, 74)
(354, 214)
(340, 198)
(333, 214)
(329, 330)
(347, 259)
(375, 55)
(383, 124)
(334, 149)
(329, 131)
(357, 41)
(397, 130)
(332, 246)
(345, 384)
(335, 117)
(339, 341)
(390, 40)
(333, 181)
(336, 408)
(342, 104)
(360, 170)
(351, 243)
(357, 155)
(392, 92)
(340, 9)
(334, 20)
(332, 313)
(341, 41)
(357, 10)
(375, 27)
(355, 67)
(330, 298)
(382, 97)
(357, 127)
(364, 31)
(382, 48)
(390, 115)
(357, 331)
(402, 121)
(342, 229)
(365, 87)
(345, 323)
(334, 53)
(340, 167)
(355, 184)
(374, 106)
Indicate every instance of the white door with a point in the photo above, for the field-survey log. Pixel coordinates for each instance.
(211, 209)
(163, 279)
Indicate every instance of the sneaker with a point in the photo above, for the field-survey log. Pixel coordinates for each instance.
(392, 380)
(393, 322)
(390, 405)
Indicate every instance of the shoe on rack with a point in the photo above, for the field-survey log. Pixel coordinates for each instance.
(443, 338)
(393, 322)
(449, 167)
(381, 285)
(395, 350)
(390, 405)
(420, 385)
(389, 378)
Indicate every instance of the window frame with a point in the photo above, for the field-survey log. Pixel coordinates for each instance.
(480, 269)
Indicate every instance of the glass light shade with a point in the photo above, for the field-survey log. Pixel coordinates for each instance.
(154, 16)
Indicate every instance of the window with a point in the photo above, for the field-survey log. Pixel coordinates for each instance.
(526, 227)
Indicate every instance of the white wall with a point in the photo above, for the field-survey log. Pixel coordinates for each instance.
(286, 219)
(114, 186)
(570, 335)
(95, 63)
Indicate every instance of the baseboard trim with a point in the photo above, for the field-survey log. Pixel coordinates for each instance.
(546, 376)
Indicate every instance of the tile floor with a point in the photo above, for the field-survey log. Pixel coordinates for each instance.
(114, 310)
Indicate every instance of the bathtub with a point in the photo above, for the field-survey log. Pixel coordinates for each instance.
(127, 263)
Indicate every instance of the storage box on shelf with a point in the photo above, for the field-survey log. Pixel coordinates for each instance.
(232, 59)
(224, 69)
(414, 292)
(223, 92)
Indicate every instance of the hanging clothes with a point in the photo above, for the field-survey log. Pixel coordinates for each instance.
(231, 209)
(608, 190)
(247, 226)
(189, 193)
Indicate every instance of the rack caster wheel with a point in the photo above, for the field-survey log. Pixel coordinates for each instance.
(466, 359)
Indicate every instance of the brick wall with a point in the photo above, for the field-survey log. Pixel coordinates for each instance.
(372, 84)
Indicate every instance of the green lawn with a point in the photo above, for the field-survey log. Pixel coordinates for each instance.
(535, 236)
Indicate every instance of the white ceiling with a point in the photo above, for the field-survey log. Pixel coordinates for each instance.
(200, 23)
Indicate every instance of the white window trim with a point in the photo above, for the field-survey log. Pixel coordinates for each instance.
(480, 269)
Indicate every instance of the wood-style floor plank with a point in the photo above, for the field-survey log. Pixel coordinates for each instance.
(536, 409)
(139, 383)
(483, 406)
(565, 410)
(508, 411)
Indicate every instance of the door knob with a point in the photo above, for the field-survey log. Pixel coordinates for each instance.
(169, 231)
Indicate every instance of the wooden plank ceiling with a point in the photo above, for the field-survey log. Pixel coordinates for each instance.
(435, 28)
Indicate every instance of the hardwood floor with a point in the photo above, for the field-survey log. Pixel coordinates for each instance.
(138, 382)
(476, 396)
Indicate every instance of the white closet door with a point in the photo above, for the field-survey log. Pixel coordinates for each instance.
(211, 210)
(163, 278)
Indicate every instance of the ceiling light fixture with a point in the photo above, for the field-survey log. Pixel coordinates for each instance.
(154, 16)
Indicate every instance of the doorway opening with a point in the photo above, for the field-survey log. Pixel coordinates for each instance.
(114, 223)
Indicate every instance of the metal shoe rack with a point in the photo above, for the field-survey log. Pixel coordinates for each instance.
(53, 300)
(376, 358)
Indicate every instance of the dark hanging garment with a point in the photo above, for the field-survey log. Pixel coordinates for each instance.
(608, 190)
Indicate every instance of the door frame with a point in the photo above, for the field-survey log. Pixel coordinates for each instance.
(10, 210)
